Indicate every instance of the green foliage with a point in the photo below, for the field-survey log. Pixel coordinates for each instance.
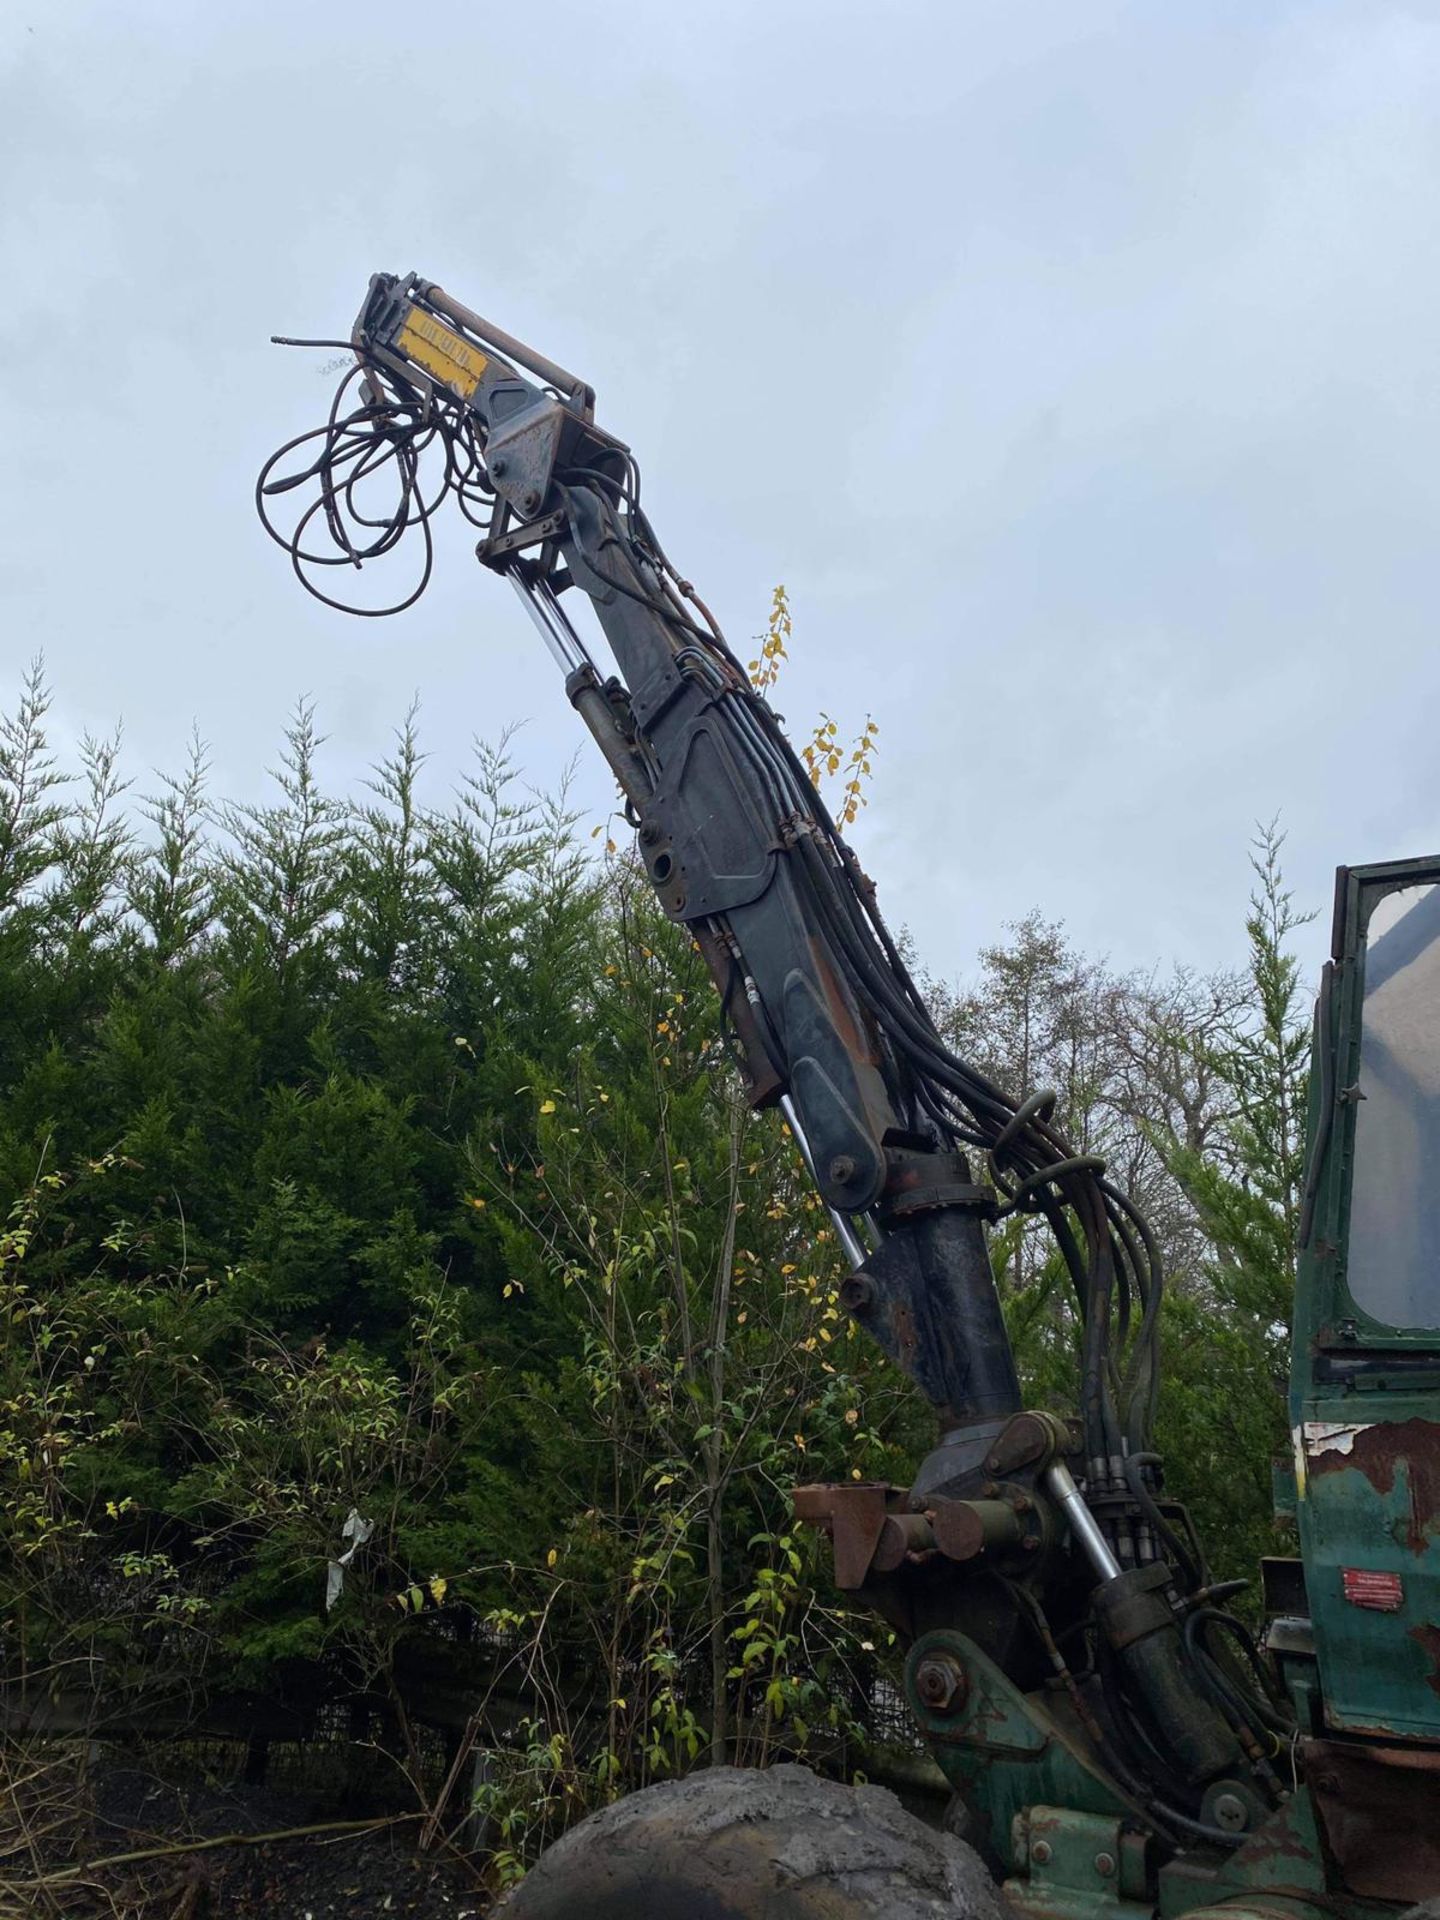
(676, 1231)
(1247, 1188)
(248, 1050)
(1227, 1347)
(1194, 1090)
(382, 1159)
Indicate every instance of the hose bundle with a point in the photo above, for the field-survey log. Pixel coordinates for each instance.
(379, 431)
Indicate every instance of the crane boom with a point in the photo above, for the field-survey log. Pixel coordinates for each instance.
(1020, 1529)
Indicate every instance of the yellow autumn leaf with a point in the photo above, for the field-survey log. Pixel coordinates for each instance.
(551, 1557)
(438, 1584)
(547, 1106)
(473, 1200)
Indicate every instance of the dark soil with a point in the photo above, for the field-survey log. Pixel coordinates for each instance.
(360, 1874)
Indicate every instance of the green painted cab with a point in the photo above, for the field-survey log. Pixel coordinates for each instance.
(1365, 1381)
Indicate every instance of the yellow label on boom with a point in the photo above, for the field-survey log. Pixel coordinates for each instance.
(452, 360)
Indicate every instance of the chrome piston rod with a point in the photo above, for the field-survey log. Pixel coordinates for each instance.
(566, 647)
(1081, 1521)
(849, 1239)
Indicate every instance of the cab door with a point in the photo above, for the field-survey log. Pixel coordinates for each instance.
(1365, 1398)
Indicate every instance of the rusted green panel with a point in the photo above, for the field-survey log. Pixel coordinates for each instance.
(1003, 1750)
(1371, 1520)
(1077, 1866)
(1284, 1853)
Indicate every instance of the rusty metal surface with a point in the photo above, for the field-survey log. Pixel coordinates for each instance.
(941, 1684)
(874, 1531)
(1369, 1508)
(1379, 1809)
(1382, 1452)
(905, 1334)
(854, 1517)
(1428, 1640)
(903, 1534)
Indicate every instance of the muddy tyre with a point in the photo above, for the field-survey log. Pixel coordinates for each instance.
(742, 1844)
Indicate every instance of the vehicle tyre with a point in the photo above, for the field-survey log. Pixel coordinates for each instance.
(736, 1843)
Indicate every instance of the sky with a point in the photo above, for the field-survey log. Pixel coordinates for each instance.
(1073, 365)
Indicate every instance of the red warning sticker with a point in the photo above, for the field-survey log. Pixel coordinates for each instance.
(1383, 1592)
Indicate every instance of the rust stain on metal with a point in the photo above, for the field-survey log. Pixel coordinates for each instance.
(1366, 1797)
(1275, 1842)
(1429, 1641)
(1379, 1452)
(902, 1323)
(840, 1006)
(902, 1535)
(854, 1517)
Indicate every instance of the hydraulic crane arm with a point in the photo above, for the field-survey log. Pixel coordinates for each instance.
(738, 845)
(914, 1152)
(742, 851)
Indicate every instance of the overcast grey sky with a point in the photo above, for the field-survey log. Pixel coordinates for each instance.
(1073, 364)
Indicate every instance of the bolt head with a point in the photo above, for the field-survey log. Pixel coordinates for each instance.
(530, 500)
(1230, 1813)
(940, 1684)
(842, 1168)
(1040, 1853)
(857, 1293)
(498, 466)
(1105, 1865)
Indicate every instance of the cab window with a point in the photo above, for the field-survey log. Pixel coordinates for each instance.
(1393, 1264)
